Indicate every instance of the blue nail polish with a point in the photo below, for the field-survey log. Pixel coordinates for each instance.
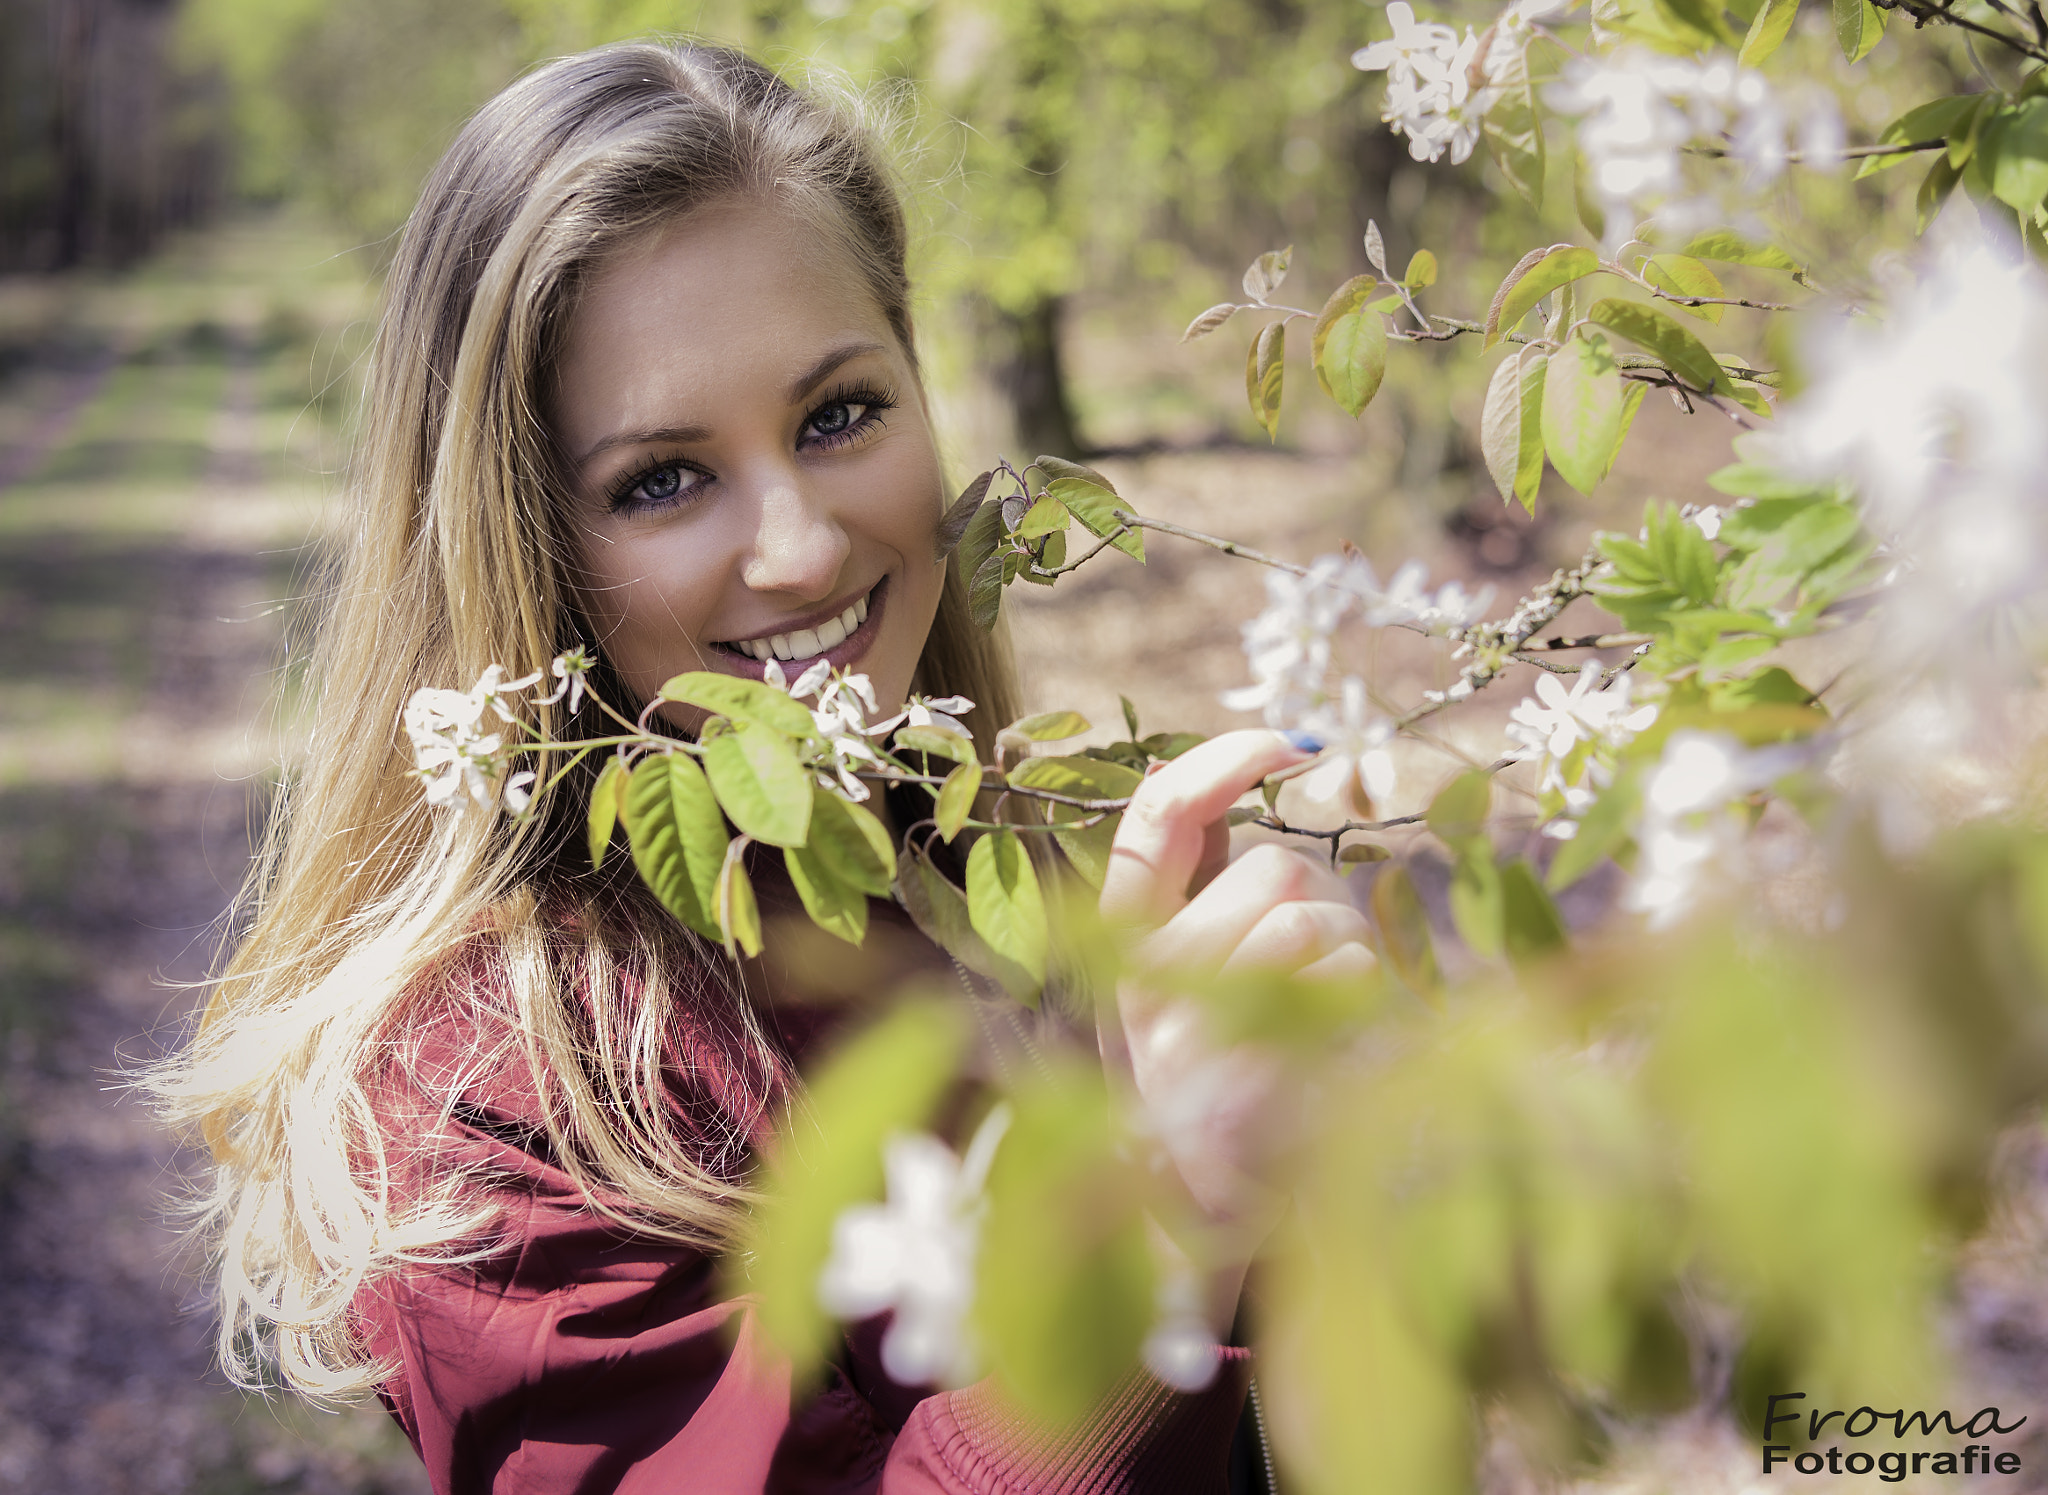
(1308, 742)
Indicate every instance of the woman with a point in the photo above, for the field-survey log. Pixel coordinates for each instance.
(479, 1114)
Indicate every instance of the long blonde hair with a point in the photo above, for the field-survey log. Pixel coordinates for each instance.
(367, 914)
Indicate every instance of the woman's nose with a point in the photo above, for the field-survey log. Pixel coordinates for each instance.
(799, 546)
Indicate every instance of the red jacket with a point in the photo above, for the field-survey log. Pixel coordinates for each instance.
(581, 1358)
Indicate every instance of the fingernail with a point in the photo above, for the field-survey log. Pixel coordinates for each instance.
(1308, 742)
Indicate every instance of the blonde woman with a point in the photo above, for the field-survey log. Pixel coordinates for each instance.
(480, 1117)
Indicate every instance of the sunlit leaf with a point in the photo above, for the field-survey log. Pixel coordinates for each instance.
(1729, 248)
(1658, 332)
(1478, 905)
(939, 910)
(741, 701)
(1858, 27)
(1939, 119)
(1045, 517)
(1513, 128)
(1682, 275)
(956, 799)
(678, 837)
(1772, 24)
(1049, 726)
(2020, 177)
(827, 1156)
(1064, 1287)
(1351, 360)
(738, 915)
(1421, 271)
(1004, 904)
(1264, 373)
(941, 742)
(1602, 830)
(607, 799)
(1530, 924)
(985, 590)
(1539, 273)
(1403, 927)
(760, 784)
(1582, 411)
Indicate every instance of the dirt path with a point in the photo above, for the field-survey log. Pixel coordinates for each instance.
(139, 622)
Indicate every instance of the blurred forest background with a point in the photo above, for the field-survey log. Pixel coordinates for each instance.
(196, 200)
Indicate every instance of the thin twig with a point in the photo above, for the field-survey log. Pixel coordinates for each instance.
(1847, 153)
(1214, 542)
(1923, 12)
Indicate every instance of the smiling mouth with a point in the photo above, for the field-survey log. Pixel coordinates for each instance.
(808, 643)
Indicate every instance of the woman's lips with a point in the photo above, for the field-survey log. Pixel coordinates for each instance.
(840, 656)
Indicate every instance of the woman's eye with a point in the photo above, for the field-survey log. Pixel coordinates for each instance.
(656, 487)
(837, 418)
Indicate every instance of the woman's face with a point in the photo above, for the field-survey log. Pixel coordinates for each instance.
(752, 475)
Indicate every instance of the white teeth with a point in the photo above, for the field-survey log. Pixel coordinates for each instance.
(831, 633)
(804, 643)
(860, 610)
(780, 644)
(848, 621)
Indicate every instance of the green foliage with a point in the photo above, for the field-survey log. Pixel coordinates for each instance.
(678, 837)
(846, 859)
(607, 799)
(1004, 904)
(1264, 371)
(827, 1155)
(1065, 1282)
(759, 782)
(1583, 403)
(1541, 272)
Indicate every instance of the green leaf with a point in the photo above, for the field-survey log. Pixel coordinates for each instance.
(1939, 119)
(1726, 247)
(1682, 275)
(1076, 777)
(741, 701)
(760, 784)
(1530, 924)
(1347, 298)
(1934, 192)
(2020, 177)
(1582, 408)
(1403, 928)
(1265, 274)
(1264, 372)
(1654, 329)
(739, 916)
(953, 526)
(984, 534)
(1529, 460)
(1602, 829)
(956, 799)
(939, 910)
(1351, 359)
(1095, 505)
(1421, 273)
(1478, 904)
(1457, 816)
(1049, 726)
(1540, 273)
(1700, 17)
(1209, 321)
(1772, 24)
(828, 1156)
(1500, 425)
(1631, 402)
(1513, 129)
(1004, 904)
(1585, 201)
(1064, 1289)
(847, 859)
(678, 837)
(1130, 716)
(853, 843)
(985, 591)
(1753, 480)
(1858, 26)
(606, 800)
(940, 742)
(1047, 516)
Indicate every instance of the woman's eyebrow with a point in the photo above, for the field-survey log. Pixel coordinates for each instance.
(658, 435)
(820, 371)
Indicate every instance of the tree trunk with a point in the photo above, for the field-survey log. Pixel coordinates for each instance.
(1034, 379)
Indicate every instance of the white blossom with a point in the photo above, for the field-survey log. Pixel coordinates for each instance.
(570, 668)
(1429, 84)
(1550, 724)
(1356, 769)
(1181, 1349)
(1687, 830)
(1288, 644)
(452, 754)
(1638, 109)
(915, 1254)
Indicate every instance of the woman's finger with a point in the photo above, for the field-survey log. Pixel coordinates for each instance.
(1345, 963)
(1161, 840)
(1219, 918)
(1299, 934)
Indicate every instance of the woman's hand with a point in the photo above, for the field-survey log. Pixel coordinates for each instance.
(1216, 1111)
